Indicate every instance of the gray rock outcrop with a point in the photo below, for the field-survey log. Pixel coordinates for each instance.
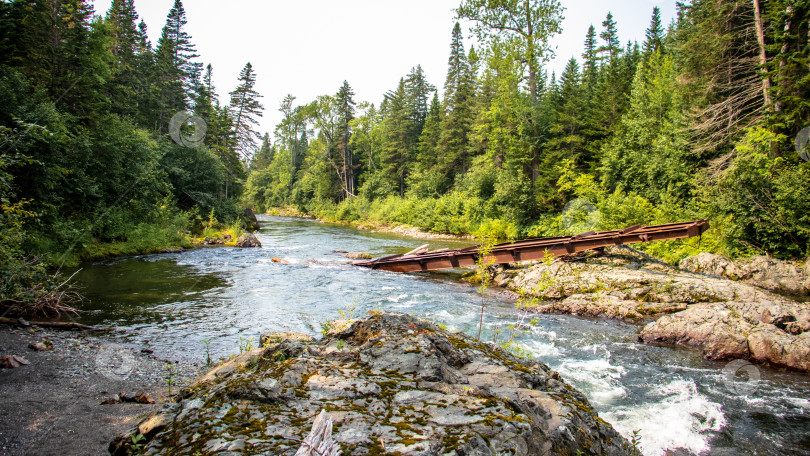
(760, 271)
(393, 384)
(776, 333)
(726, 318)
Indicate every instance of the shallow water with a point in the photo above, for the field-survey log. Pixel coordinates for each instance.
(181, 305)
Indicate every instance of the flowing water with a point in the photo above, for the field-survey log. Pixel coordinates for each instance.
(181, 305)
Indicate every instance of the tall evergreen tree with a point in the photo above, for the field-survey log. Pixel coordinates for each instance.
(419, 90)
(654, 35)
(178, 72)
(457, 122)
(610, 36)
(245, 110)
(346, 109)
(398, 150)
(128, 73)
(590, 55)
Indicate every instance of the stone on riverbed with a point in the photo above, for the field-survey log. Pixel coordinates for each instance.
(393, 384)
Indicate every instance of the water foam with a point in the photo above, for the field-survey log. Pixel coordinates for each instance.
(598, 378)
(673, 416)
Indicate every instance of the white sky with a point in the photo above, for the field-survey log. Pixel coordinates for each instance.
(309, 47)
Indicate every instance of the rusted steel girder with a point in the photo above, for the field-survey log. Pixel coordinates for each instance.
(534, 249)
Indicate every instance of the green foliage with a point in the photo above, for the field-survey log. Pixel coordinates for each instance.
(760, 192)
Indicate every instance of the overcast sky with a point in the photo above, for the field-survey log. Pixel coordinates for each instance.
(309, 47)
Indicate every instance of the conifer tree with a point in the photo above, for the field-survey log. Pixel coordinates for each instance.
(654, 35)
(178, 73)
(127, 44)
(429, 139)
(245, 110)
(418, 89)
(457, 122)
(590, 56)
(346, 109)
(610, 36)
(263, 158)
(65, 54)
(397, 151)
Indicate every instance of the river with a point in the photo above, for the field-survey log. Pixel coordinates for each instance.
(216, 299)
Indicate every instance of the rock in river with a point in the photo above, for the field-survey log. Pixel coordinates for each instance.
(248, 240)
(393, 384)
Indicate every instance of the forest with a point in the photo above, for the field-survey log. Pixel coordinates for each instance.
(699, 121)
(111, 144)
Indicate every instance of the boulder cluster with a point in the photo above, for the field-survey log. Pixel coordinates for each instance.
(729, 309)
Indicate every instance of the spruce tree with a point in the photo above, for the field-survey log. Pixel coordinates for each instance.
(590, 55)
(178, 73)
(245, 110)
(610, 36)
(429, 139)
(397, 152)
(127, 44)
(418, 89)
(654, 36)
(457, 123)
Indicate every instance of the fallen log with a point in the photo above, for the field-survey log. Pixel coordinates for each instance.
(48, 324)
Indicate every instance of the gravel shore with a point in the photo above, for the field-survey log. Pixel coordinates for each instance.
(53, 405)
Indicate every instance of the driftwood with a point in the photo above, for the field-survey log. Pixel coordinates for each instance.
(319, 442)
(49, 324)
(419, 250)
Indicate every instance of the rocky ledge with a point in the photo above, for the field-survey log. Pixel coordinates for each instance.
(726, 318)
(393, 384)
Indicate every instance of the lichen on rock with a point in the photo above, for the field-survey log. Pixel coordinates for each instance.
(393, 384)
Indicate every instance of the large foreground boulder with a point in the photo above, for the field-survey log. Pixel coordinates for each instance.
(393, 384)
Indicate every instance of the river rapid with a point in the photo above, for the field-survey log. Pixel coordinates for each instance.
(187, 305)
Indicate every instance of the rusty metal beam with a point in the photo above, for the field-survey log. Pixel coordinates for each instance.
(535, 249)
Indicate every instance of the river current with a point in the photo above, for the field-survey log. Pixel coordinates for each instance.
(183, 305)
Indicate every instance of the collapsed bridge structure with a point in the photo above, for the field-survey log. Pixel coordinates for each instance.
(533, 249)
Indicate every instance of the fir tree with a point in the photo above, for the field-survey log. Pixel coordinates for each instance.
(457, 122)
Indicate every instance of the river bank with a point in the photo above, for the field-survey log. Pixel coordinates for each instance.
(370, 225)
(55, 404)
(182, 304)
